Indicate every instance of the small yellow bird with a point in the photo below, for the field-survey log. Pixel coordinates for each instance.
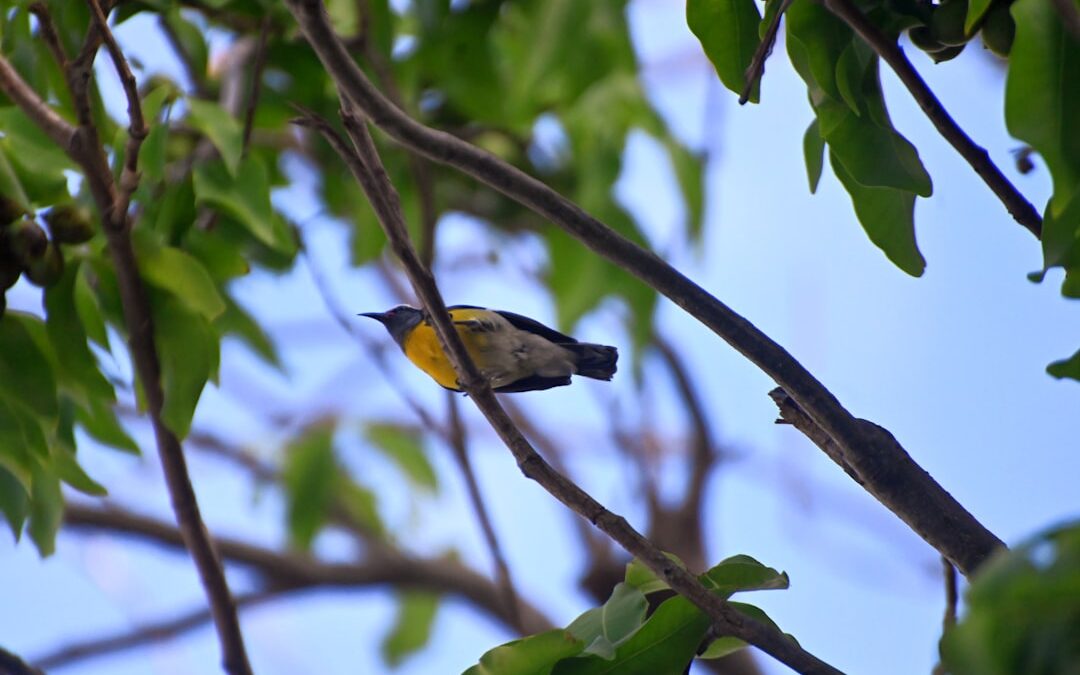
(513, 352)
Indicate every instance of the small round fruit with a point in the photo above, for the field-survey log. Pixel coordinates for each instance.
(947, 54)
(70, 223)
(46, 270)
(10, 210)
(10, 269)
(998, 30)
(947, 23)
(924, 39)
(26, 240)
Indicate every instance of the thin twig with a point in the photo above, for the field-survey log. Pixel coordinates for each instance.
(256, 82)
(757, 64)
(161, 630)
(381, 566)
(951, 595)
(137, 131)
(459, 446)
(979, 159)
(849, 433)
(364, 162)
(48, 31)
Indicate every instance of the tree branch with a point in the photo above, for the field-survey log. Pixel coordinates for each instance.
(903, 487)
(979, 159)
(381, 566)
(850, 435)
(757, 64)
(364, 162)
(84, 146)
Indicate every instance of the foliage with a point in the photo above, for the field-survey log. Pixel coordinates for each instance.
(879, 167)
(623, 636)
(1023, 611)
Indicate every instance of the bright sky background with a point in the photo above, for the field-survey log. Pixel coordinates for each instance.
(951, 363)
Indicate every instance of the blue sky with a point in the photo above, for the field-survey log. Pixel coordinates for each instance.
(952, 363)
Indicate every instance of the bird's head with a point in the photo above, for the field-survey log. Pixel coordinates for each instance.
(399, 321)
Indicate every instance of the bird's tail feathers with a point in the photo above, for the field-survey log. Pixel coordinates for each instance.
(595, 361)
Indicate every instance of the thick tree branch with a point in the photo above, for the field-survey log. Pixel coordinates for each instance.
(904, 487)
(363, 161)
(979, 159)
(380, 567)
(849, 434)
(12, 664)
(84, 146)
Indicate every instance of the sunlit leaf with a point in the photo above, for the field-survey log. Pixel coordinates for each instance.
(602, 628)
(533, 655)
(742, 573)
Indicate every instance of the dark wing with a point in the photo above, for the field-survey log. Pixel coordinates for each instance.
(533, 326)
(533, 383)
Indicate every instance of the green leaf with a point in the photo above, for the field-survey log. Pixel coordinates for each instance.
(245, 198)
(221, 128)
(742, 573)
(813, 154)
(99, 421)
(644, 579)
(310, 476)
(37, 161)
(10, 185)
(816, 40)
(728, 31)
(22, 442)
(362, 505)
(664, 645)
(533, 655)
(690, 173)
(236, 321)
(1069, 367)
(975, 11)
(178, 273)
(189, 351)
(67, 468)
(14, 500)
(88, 309)
(78, 369)
(888, 216)
(153, 153)
(46, 511)
(404, 446)
(26, 373)
(412, 626)
(602, 628)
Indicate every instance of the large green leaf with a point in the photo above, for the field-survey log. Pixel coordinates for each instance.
(310, 475)
(188, 350)
(37, 161)
(602, 628)
(26, 372)
(179, 274)
(78, 369)
(742, 573)
(728, 644)
(728, 31)
(99, 421)
(1042, 108)
(245, 198)
(23, 447)
(221, 128)
(46, 511)
(412, 626)
(533, 655)
(888, 216)
(405, 447)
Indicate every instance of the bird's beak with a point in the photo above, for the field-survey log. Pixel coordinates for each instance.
(378, 316)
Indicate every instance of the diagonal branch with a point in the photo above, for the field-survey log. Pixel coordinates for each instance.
(851, 436)
(979, 159)
(757, 64)
(364, 162)
(84, 146)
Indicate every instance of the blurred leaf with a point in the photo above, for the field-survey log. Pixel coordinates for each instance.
(37, 161)
(221, 128)
(181, 275)
(67, 468)
(690, 173)
(46, 511)
(404, 446)
(191, 40)
(236, 321)
(742, 573)
(189, 351)
(152, 153)
(533, 655)
(362, 506)
(664, 645)
(22, 443)
(888, 217)
(88, 309)
(1069, 367)
(602, 628)
(310, 476)
(1022, 614)
(99, 421)
(25, 371)
(813, 154)
(728, 31)
(78, 369)
(10, 185)
(975, 11)
(14, 501)
(246, 198)
(412, 626)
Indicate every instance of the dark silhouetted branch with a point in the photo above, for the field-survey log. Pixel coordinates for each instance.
(757, 64)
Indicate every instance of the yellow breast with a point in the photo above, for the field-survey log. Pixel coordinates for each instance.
(422, 348)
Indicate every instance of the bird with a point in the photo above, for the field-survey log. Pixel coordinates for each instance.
(513, 352)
